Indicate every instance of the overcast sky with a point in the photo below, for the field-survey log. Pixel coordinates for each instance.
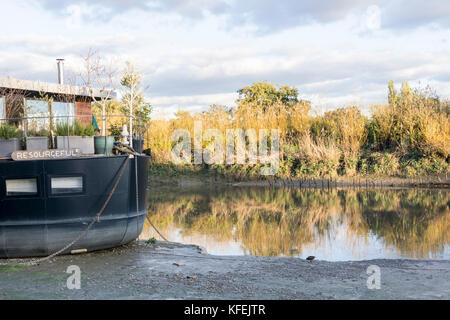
(194, 53)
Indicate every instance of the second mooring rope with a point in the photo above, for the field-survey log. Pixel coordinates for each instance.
(153, 226)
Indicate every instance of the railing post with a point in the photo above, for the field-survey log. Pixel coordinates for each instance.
(68, 133)
(25, 127)
(131, 126)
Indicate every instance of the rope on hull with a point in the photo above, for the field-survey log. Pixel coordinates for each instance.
(94, 220)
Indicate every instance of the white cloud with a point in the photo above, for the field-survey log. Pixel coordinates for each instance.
(372, 18)
(264, 17)
(77, 14)
(334, 54)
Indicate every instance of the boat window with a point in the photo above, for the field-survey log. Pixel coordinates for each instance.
(61, 109)
(64, 185)
(21, 187)
(38, 111)
(41, 109)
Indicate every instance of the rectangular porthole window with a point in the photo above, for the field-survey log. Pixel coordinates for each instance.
(65, 185)
(21, 187)
(2, 113)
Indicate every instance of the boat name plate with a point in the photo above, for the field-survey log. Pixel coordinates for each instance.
(45, 154)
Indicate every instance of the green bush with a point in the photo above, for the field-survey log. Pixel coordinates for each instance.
(38, 133)
(424, 166)
(8, 131)
(116, 131)
(378, 163)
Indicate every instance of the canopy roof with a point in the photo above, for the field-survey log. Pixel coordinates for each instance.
(54, 88)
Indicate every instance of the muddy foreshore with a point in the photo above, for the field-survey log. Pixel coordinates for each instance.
(441, 181)
(174, 271)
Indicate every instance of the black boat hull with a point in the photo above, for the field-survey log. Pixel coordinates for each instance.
(44, 223)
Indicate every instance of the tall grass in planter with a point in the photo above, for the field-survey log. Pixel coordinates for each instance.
(75, 135)
(10, 140)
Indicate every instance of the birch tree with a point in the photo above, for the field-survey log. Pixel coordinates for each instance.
(133, 97)
(100, 76)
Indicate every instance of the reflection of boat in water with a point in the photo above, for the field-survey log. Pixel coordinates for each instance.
(49, 201)
(45, 204)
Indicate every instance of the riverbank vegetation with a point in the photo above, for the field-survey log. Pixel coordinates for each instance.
(408, 136)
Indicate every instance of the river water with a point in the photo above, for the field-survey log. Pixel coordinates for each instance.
(333, 225)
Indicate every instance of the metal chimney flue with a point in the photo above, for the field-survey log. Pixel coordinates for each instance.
(60, 71)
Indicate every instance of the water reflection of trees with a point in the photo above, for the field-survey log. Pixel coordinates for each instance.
(274, 222)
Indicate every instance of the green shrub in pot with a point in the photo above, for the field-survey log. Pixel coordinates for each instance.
(10, 140)
(8, 131)
(77, 135)
(79, 129)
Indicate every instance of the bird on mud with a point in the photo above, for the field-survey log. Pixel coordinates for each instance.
(310, 258)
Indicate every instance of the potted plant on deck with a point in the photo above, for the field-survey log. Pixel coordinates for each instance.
(77, 135)
(103, 144)
(10, 140)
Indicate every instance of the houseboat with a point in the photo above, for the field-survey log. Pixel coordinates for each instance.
(49, 195)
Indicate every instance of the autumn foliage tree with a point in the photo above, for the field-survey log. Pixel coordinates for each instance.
(266, 106)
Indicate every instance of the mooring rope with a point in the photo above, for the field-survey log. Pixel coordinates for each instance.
(94, 220)
(153, 226)
(137, 196)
